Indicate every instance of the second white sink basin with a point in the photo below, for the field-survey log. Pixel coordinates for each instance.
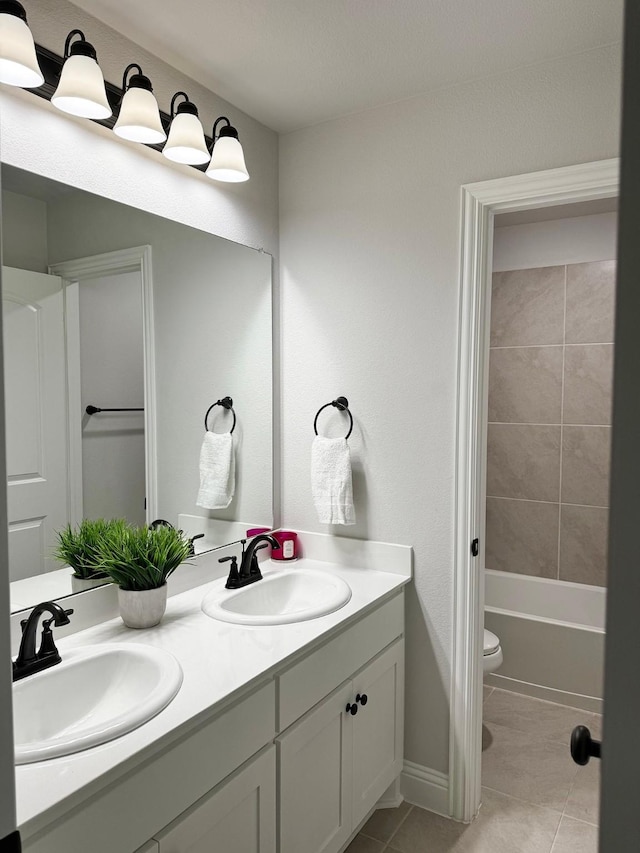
(281, 597)
(94, 695)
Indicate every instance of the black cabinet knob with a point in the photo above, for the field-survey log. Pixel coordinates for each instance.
(352, 709)
(362, 699)
(583, 746)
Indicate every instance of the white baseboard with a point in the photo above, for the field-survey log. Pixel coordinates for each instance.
(549, 694)
(424, 787)
(392, 797)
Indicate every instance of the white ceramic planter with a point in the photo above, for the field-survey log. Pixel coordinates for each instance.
(143, 608)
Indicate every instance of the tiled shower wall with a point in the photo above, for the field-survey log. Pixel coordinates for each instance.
(550, 383)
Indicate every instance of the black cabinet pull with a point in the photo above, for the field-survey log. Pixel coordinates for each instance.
(583, 746)
(362, 699)
(352, 709)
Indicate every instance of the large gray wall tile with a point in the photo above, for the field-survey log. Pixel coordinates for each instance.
(588, 381)
(590, 302)
(523, 462)
(522, 537)
(583, 544)
(585, 465)
(525, 385)
(527, 307)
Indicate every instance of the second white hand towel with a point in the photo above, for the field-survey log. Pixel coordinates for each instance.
(217, 471)
(331, 483)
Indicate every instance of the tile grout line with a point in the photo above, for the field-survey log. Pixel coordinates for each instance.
(396, 830)
(564, 349)
(556, 346)
(550, 503)
(528, 423)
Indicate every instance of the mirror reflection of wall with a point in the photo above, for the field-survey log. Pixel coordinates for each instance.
(209, 336)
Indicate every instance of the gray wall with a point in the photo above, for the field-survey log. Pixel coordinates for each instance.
(24, 232)
(369, 216)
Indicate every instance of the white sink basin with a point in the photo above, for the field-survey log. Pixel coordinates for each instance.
(95, 695)
(279, 598)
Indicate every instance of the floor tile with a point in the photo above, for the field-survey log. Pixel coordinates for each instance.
(574, 836)
(524, 766)
(384, 822)
(584, 797)
(486, 692)
(504, 825)
(545, 720)
(362, 844)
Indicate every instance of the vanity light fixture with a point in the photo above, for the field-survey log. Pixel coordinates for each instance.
(18, 61)
(74, 84)
(139, 116)
(81, 89)
(227, 157)
(186, 143)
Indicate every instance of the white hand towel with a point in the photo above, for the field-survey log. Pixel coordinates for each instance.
(331, 480)
(217, 471)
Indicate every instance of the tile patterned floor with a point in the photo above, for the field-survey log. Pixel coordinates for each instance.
(534, 798)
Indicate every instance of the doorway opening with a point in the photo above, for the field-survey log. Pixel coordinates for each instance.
(593, 184)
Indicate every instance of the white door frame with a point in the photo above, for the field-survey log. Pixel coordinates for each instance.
(136, 259)
(480, 203)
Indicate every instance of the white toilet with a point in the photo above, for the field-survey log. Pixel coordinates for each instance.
(492, 657)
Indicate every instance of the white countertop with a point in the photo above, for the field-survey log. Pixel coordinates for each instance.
(219, 661)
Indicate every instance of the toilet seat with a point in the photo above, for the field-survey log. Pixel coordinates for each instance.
(491, 642)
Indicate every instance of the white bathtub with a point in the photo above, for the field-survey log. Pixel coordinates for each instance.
(552, 637)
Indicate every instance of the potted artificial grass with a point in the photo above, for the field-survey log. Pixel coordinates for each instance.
(80, 548)
(140, 560)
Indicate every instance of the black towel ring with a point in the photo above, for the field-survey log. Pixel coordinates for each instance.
(342, 405)
(226, 403)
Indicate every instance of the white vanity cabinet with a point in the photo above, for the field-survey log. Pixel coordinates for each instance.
(285, 768)
(334, 764)
(239, 816)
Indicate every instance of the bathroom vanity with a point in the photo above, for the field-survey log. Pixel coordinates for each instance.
(282, 738)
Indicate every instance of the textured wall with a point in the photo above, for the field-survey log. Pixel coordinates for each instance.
(370, 208)
(549, 437)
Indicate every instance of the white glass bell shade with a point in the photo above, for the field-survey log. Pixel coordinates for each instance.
(18, 61)
(227, 161)
(139, 118)
(186, 141)
(81, 89)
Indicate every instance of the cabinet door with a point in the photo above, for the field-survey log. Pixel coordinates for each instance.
(378, 728)
(315, 778)
(238, 816)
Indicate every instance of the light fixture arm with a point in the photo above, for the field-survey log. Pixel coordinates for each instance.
(126, 83)
(67, 44)
(215, 127)
(173, 102)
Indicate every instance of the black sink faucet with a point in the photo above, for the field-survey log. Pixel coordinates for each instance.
(28, 661)
(249, 568)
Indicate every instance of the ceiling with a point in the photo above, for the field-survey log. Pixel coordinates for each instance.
(294, 63)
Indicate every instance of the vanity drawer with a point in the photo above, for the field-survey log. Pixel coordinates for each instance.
(160, 789)
(315, 676)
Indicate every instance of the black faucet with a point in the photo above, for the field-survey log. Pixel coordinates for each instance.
(249, 569)
(28, 661)
(160, 522)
